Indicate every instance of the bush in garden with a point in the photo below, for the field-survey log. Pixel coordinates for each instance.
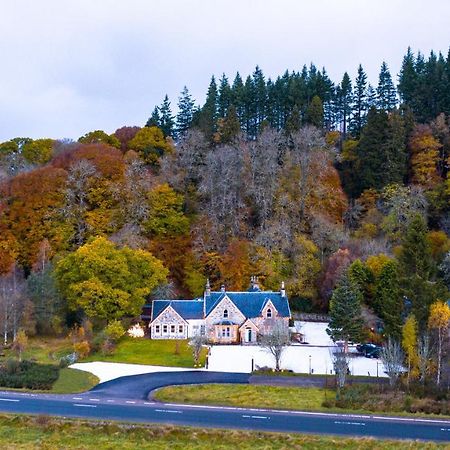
(114, 330)
(29, 375)
(82, 349)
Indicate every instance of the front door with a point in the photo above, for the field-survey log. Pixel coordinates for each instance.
(248, 335)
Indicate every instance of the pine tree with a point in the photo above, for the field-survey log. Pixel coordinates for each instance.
(250, 109)
(208, 115)
(314, 113)
(359, 106)
(407, 84)
(416, 269)
(389, 300)
(260, 96)
(155, 119)
(237, 97)
(167, 122)
(185, 112)
(386, 92)
(343, 103)
(345, 313)
(228, 127)
(224, 97)
(371, 97)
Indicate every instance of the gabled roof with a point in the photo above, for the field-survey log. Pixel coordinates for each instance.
(187, 309)
(250, 303)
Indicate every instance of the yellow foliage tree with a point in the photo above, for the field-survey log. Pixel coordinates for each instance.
(409, 344)
(439, 321)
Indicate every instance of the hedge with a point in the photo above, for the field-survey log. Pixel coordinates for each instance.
(29, 375)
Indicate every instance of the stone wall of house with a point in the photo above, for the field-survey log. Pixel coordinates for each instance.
(265, 325)
(216, 315)
(169, 325)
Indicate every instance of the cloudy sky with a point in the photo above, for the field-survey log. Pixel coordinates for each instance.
(71, 66)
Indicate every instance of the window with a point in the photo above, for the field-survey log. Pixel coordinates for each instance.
(180, 328)
(269, 313)
(223, 332)
(164, 328)
(157, 329)
(172, 328)
(225, 313)
(202, 330)
(228, 331)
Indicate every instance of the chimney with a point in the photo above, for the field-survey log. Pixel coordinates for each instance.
(207, 288)
(222, 288)
(254, 284)
(282, 290)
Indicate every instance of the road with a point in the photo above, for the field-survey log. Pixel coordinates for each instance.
(126, 399)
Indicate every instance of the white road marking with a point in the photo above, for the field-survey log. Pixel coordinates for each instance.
(110, 401)
(94, 399)
(255, 417)
(85, 406)
(350, 423)
(148, 403)
(9, 400)
(168, 411)
(445, 429)
(127, 401)
(77, 398)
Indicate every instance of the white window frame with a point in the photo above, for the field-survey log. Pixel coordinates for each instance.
(269, 313)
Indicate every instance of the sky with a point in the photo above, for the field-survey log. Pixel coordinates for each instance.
(73, 66)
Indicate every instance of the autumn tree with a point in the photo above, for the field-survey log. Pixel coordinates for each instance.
(409, 344)
(151, 144)
(107, 282)
(100, 137)
(439, 322)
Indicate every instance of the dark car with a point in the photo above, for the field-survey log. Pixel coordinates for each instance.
(369, 350)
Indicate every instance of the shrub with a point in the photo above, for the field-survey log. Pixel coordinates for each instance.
(114, 330)
(82, 349)
(29, 375)
(11, 366)
(67, 360)
(108, 347)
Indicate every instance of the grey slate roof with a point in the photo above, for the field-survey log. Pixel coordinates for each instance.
(250, 303)
(187, 309)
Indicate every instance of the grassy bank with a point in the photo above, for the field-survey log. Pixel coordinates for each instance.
(281, 397)
(155, 352)
(73, 380)
(251, 396)
(22, 432)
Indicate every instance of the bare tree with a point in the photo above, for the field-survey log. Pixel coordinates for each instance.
(12, 300)
(276, 341)
(340, 360)
(424, 353)
(392, 357)
(79, 181)
(197, 342)
(308, 153)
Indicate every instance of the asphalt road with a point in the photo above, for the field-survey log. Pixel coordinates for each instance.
(126, 400)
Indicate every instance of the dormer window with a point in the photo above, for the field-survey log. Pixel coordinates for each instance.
(225, 313)
(269, 313)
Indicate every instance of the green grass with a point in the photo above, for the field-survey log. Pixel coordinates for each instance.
(176, 353)
(73, 380)
(24, 432)
(45, 350)
(252, 396)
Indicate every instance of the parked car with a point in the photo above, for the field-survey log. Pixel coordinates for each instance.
(369, 350)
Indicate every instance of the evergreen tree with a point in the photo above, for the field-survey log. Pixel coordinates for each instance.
(345, 313)
(237, 97)
(416, 269)
(389, 300)
(228, 127)
(250, 109)
(407, 84)
(371, 97)
(359, 107)
(185, 112)
(166, 123)
(314, 113)
(155, 119)
(208, 115)
(381, 151)
(343, 103)
(260, 96)
(224, 97)
(386, 92)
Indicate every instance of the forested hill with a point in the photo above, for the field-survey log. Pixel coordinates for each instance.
(297, 179)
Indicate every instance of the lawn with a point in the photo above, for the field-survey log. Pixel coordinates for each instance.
(176, 353)
(45, 350)
(24, 432)
(245, 395)
(73, 380)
